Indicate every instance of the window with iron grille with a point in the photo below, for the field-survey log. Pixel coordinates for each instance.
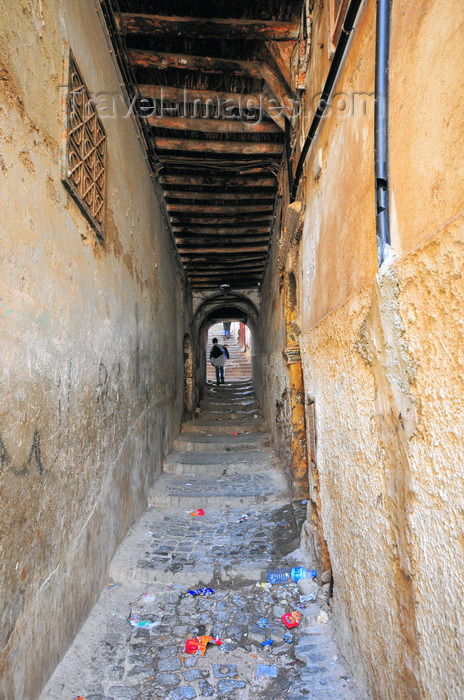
(84, 148)
(337, 14)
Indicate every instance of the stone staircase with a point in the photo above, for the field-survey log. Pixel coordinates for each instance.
(133, 643)
(221, 459)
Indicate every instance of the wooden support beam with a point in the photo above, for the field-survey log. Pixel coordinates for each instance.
(220, 220)
(183, 230)
(226, 196)
(227, 273)
(203, 28)
(244, 280)
(218, 180)
(218, 126)
(221, 209)
(219, 240)
(220, 269)
(279, 90)
(283, 55)
(230, 274)
(230, 267)
(223, 102)
(160, 60)
(186, 96)
(143, 58)
(224, 249)
(224, 258)
(246, 147)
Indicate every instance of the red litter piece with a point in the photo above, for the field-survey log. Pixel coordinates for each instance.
(291, 619)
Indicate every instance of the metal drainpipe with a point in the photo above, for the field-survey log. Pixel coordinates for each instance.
(382, 55)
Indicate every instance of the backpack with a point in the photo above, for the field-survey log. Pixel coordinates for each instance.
(216, 351)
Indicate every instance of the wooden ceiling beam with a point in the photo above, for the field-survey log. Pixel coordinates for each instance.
(219, 220)
(224, 249)
(223, 101)
(221, 273)
(228, 256)
(226, 196)
(221, 270)
(245, 281)
(227, 273)
(221, 209)
(249, 257)
(218, 180)
(183, 230)
(219, 126)
(203, 28)
(160, 60)
(143, 58)
(219, 240)
(183, 95)
(164, 143)
(230, 267)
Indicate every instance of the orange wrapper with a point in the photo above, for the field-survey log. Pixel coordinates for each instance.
(198, 645)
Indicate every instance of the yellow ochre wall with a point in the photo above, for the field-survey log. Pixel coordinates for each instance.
(383, 352)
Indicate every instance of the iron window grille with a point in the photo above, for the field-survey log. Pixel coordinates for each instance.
(84, 148)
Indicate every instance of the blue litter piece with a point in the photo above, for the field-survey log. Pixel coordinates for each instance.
(200, 591)
(263, 623)
(288, 638)
(267, 643)
(269, 671)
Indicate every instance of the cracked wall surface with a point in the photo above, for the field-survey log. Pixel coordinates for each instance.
(91, 398)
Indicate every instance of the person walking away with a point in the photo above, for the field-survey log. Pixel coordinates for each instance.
(218, 356)
(226, 325)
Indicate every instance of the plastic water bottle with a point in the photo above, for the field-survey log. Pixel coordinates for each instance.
(294, 574)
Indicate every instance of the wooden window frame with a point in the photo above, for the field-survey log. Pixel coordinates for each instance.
(83, 153)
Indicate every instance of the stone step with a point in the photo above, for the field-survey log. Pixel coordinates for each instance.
(229, 402)
(193, 442)
(208, 490)
(223, 463)
(229, 415)
(230, 390)
(204, 426)
(238, 385)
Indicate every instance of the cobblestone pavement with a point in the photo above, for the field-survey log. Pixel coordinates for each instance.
(169, 551)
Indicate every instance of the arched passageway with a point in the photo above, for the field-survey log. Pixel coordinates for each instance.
(236, 308)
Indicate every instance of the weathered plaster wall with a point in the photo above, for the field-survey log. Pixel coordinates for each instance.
(383, 359)
(270, 374)
(90, 346)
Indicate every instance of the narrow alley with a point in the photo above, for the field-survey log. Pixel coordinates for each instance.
(132, 645)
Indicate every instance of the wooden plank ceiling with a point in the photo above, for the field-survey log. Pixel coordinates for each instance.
(218, 164)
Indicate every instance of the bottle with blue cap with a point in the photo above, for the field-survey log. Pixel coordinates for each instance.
(294, 574)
